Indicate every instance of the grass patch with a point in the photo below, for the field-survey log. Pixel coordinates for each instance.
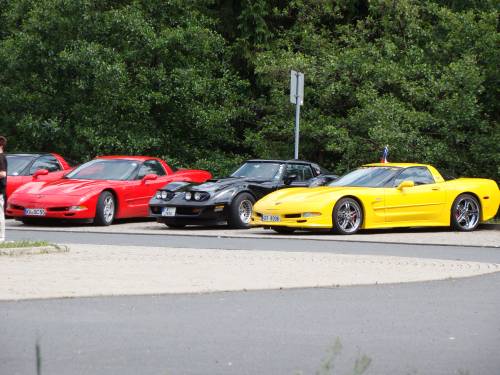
(17, 244)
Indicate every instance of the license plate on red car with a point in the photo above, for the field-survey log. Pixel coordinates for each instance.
(34, 212)
(168, 211)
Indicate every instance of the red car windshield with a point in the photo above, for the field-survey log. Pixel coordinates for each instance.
(101, 169)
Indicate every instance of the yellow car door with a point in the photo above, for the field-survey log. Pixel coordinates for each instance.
(414, 198)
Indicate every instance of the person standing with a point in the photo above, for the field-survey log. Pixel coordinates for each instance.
(3, 186)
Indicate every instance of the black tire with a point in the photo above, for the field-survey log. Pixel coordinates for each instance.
(240, 211)
(105, 209)
(283, 230)
(347, 216)
(465, 213)
(175, 225)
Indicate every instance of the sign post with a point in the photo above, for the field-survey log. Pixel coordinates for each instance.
(297, 98)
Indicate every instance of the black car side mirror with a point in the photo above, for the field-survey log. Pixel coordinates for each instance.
(289, 179)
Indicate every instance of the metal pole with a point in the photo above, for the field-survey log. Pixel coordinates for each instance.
(297, 116)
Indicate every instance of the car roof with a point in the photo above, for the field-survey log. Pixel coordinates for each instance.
(124, 157)
(398, 165)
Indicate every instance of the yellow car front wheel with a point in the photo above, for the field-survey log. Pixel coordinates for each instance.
(347, 216)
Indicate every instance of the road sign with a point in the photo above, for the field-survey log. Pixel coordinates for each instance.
(296, 87)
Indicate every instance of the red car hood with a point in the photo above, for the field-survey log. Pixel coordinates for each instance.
(63, 187)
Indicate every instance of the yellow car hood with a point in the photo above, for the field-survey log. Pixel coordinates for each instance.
(300, 196)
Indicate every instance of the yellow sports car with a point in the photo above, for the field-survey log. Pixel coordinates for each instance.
(381, 195)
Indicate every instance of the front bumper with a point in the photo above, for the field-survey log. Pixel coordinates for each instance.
(291, 220)
(17, 212)
(54, 209)
(209, 214)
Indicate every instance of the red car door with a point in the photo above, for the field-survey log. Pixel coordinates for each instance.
(139, 191)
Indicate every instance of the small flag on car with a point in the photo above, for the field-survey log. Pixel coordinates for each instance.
(385, 154)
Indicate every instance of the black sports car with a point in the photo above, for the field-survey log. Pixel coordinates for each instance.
(230, 200)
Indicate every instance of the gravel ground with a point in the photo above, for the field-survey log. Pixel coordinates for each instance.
(101, 270)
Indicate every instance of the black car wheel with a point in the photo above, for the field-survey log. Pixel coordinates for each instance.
(283, 230)
(105, 210)
(240, 211)
(347, 216)
(465, 213)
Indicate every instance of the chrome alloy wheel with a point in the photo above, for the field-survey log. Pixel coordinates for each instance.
(109, 209)
(466, 213)
(245, 211)
(349, 216)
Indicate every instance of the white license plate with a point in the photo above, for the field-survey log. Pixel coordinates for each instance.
(273, 218)
(168, 211)
(34, 212)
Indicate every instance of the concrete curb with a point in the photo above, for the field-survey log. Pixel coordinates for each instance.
(18, 251)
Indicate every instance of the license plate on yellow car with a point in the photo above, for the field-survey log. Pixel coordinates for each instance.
(273, 218)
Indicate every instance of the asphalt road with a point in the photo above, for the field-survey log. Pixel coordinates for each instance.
(424, 328)
(418, 328)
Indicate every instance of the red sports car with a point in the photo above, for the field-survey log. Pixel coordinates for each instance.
(100, 190)
(22, 168)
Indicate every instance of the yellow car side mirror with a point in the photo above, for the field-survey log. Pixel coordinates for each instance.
(405, 184)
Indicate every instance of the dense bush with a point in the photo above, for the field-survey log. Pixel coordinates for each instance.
(205, 83)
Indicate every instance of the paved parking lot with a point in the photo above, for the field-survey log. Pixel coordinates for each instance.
(487, 235)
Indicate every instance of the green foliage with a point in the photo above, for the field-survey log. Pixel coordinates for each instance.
(205, 83)
(130, 77)
(416, 76)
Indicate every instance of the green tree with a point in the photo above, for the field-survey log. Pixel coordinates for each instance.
(89, 77)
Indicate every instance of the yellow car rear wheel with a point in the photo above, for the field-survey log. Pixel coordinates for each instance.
(465, 213)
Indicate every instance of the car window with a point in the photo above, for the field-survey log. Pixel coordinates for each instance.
(302, 171)
(47, 162)
(367, 177)
(419, 175)
(259, 170)
(16, 164)
(151, 167)
(104, 169)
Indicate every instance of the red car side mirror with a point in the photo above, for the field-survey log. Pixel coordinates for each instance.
(148, 177)
(40, 172)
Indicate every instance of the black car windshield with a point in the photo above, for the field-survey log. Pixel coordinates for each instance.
(367, 177)
(259, 171)
(102, 169)
(17, 163)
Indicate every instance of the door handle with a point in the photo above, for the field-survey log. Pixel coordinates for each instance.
(436, 188)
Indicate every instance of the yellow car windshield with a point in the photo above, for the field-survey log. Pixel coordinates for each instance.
(367, 177)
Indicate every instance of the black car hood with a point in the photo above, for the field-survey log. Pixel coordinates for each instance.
(211, 186)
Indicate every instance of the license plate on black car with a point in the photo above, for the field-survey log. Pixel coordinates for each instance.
(273, 218)
(34, 212)
(168, 211)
